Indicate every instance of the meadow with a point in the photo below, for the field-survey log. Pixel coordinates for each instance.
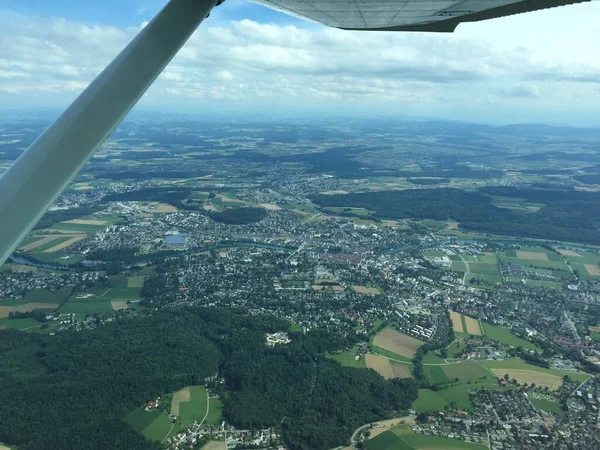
(403, 438)
(505, 337)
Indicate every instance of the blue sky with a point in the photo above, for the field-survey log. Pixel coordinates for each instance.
(537, 67)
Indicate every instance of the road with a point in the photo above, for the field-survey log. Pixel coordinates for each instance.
(467, 272)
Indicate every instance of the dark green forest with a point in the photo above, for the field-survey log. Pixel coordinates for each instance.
(568, 215)
(73, 390)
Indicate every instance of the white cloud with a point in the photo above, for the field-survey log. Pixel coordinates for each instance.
(481, 66)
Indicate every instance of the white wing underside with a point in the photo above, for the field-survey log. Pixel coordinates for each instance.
(403, 15)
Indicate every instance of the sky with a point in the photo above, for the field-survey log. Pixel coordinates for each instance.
(245, 59)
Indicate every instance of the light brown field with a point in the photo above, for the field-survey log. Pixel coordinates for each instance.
(366, 290)
(39, 242)
(4, 447)
(225, 198)
(68, 231)
(164, 208)
(270, 206)
(532, 255)
(85, 221)
(452, 225)
(380, 364)
(2, 328)
(183, 395)
(82, 186)
(456, 322)
(118, 305)
(473, 326)
(210, 207)
(5, 310)
(396, 342)
(531, 376)
(592, 269)
(302, 213)
(336, 192)
(401, 371)
(65, 244)
(595, 329)
(214, 445)
(566, 252)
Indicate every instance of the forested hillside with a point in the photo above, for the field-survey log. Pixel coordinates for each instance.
(565, 215)
(72, 390)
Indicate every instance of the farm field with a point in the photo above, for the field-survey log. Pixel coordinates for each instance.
(528, 373)
(164, 208)
(464, 371)
(396, 342)
(505, 337)
(214, 445)
(546, 405)
(462, 324)
(403, 438)
(19, 324)
(473, 326)
(386, 368)
(348, 358)
(215, 411)
(455, 348)
(196, 407)
(86, 224)
(64, 244)
(189, 404)
(86, 306)
(457, 325)
(433, 358)
(585, 263)
(366, 290)
(429, 400)
(540, 260)
(135, 282)
(139, 419)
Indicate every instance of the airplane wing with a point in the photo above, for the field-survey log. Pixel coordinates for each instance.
(407, 15)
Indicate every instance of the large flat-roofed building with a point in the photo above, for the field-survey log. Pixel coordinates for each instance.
(175, 241)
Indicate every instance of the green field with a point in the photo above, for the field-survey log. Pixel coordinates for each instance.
(505, 337)
(50, 244)
(347, 359)
(464, 371)
(135, 282)
(87, 306)
(38, 296)
(139, 418)
(433, 358)
(215, 411)
(196, 408)
(390, 355)
(429, 400)
(403, 438)
(546, 405)
(455, 348)
(159, 428)
(19, 324)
